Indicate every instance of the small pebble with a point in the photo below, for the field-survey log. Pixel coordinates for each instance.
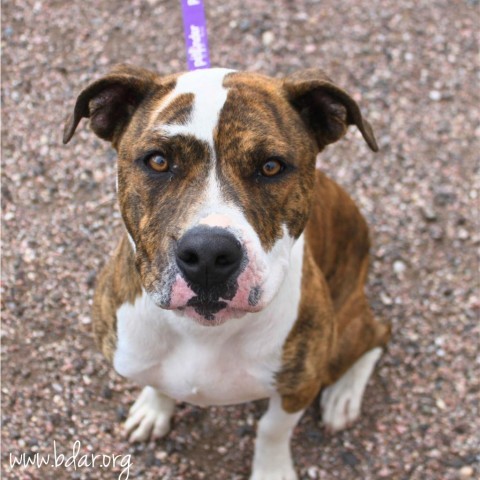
(107, 392)
(161, 455)
(91, 277)
(436, 232)
(312, 472)
(429, 213)
(29, 255)
(244, 25)
(267, 38)
(399, 267)
(349, 458)
(386, 300)
(466, 471)
(121, 413)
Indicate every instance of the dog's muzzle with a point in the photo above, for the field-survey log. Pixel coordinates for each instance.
(216, 276)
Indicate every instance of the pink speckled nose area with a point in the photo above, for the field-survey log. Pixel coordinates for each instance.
(249, 283)
(181, 293)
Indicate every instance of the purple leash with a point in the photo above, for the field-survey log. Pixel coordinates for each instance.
(195, 29)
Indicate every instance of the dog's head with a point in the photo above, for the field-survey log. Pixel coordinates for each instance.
(215, 176)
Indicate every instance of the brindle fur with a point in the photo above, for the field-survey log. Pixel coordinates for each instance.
(293, 118)
(335, 326)
(117, 283)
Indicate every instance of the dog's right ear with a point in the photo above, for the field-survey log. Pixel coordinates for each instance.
(110, 102)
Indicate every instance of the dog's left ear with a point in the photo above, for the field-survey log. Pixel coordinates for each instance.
(110, 102)
(325, 108)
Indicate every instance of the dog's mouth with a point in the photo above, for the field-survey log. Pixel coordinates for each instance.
(213, 312)
(209, 314)
(206, 308)
(210, 309)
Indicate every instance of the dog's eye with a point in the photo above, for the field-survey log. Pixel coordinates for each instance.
(157, 162)
(272, 167)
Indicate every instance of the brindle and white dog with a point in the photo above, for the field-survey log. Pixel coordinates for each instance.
(242, 269)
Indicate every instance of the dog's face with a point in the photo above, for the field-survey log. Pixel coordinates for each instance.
(215, 177)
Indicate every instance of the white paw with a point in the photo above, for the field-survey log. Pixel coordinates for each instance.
(149, 417)
(340, 406)
(274, 473)
(341, 402)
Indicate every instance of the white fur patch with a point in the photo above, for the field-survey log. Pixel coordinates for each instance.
(341, 402)
(231, 363)
(210, 96)
(213, 195)
(273, 460)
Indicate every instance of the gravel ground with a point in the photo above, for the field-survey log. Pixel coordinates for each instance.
(413, 65)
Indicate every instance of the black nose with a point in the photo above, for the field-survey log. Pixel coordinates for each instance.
(208, 256)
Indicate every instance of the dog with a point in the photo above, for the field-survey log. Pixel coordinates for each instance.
(242, 269)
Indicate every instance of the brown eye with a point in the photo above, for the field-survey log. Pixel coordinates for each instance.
(158, 163)
(272, 167)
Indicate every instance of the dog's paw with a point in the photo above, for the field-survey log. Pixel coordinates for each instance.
(274, 473)
(340, 405)
(149, 417)
(273, 465)
(341, 402)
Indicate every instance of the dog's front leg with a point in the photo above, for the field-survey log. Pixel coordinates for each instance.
(273, 460)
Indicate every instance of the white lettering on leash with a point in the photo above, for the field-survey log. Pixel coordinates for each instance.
(198, 49)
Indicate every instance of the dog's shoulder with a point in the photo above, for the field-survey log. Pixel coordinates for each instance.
(338, 237)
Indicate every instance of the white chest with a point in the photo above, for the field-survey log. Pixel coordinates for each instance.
(226, 364)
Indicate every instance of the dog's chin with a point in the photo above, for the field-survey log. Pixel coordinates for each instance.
(211, 315)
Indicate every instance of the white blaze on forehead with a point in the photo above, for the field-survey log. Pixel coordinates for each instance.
(213, 203)
(210, 96)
